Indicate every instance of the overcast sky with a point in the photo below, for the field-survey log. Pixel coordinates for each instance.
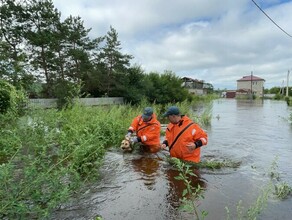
(218, 41)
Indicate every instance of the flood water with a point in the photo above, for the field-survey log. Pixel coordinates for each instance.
(142, 186)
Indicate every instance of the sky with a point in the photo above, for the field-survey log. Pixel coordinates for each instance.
(215, 41)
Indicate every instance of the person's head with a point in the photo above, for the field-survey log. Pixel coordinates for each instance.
(147, 114)
(173, 114)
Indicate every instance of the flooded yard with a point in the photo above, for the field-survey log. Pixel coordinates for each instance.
(142, 186)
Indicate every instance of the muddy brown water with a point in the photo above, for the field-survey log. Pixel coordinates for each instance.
(142, 186)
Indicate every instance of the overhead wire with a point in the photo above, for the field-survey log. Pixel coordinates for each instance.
(271, 19)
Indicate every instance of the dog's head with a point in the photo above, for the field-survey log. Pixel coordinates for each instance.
(126, 145)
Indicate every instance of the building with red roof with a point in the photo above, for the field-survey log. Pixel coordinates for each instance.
(251, 85)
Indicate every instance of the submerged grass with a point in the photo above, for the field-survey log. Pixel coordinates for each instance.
(281, 190)
(213, 164)
(191, 193)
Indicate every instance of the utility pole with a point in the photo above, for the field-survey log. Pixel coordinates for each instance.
(282, 88)
(287, 88)
(251, 85)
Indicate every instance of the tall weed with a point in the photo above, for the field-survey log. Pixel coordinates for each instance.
(48, 154)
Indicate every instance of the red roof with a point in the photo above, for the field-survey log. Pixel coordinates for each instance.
(248, 78)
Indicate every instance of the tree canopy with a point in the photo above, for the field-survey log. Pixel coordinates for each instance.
(44, 55)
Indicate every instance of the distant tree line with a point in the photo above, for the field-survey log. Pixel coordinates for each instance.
(279, 90)
(53, 58)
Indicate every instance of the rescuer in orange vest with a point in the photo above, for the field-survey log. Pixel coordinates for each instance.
(147, 129)
(183, 137)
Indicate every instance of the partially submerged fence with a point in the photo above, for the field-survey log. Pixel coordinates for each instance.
(52, 103)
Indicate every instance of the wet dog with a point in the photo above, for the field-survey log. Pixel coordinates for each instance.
(126, 145)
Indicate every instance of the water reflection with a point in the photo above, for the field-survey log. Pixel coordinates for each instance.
(152, 169)
(147, 167)
(176, 187)
(250, 103)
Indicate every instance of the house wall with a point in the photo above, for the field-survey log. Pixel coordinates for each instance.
(193, 85)
(196, 91)
(257, 86)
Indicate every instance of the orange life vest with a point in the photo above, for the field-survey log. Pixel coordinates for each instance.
(149, 131)
(192, 134)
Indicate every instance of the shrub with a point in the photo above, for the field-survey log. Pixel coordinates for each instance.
(5, 97)
(11, 100)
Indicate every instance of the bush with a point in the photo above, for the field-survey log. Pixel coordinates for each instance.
(11, 100)
(5, 97)
(65, 92)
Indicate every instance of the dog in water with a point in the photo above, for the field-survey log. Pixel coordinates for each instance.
(127, 145)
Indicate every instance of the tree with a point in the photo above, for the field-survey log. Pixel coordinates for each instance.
(12, 54)
(134, 85)
(275, 90)
(43, 22)
(78, 49)
(114, 64)
(166, 88)
(209, 87)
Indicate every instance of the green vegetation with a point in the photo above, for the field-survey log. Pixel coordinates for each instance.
(47, 155)
(211, 164)
(255, 209)
(51, 58)
(280, 94)
(282, 191)
(288, 100)
(12, 101)
(279, 91)
(186, 107)
(191, 193)
(216, 164)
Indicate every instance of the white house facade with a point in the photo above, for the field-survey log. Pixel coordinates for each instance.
(251, 84)
(195, 86)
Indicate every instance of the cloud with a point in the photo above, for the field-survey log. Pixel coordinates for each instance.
(215, 41)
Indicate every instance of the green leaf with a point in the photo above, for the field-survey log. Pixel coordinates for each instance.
(185, 192)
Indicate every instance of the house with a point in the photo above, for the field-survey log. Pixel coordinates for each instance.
(196, 87)
(250, 85)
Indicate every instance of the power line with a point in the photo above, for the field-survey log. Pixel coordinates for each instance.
(271, 19)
